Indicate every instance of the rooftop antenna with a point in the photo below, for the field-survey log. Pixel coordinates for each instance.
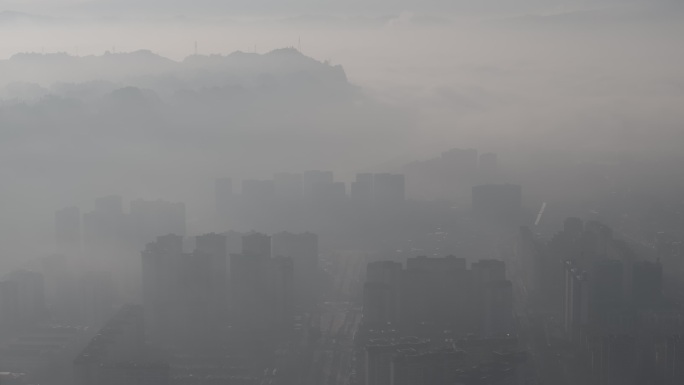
(299, 44)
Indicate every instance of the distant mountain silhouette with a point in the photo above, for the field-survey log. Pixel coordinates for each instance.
(149, 70)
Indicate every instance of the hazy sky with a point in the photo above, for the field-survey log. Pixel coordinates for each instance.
(210, 7)
(583, 62)
(585, 75)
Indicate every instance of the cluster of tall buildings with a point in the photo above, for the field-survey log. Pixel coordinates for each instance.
(106, 230)
(191, 299)
(107, 240)
(313, 186)
(611, 303)
(378, 188)
(262, 286)
(181, 291)
(422, 361)
(22, 300)
(39, 354)
(499, 203)
(31, 344)
(437, 321)
(341, 213)
(46, 312)
(203, 297)
(441, 294)
(450, 176)
(52, 291)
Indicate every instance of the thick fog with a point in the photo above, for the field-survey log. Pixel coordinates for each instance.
(302, 191)
(421, 78)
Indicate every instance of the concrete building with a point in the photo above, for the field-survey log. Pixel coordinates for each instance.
(362, 188)
(614, 360)
(647, 284)
(215, 246)
(577, 292)
(313, 178)
(380, 305)
(256, 244)
(233, 242)
(30, 296)
(488, 270)
(9, 306)
(436, 265)
(96, 297)
(303, 249)
(107, 233)
(461, 161)
(261, 287)
(497, 318)
(498, 201)
(329, 193)
(258, 190)
(288, 186)
(381, 301)
(42, 354)
(389, 188)
(179, 293)
(440, 292)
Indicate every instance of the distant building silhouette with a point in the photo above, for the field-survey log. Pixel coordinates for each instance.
(215, 246)
(261, 287)
(381, 304)
(303, 249)
(256, 244)
(313, 178)
(647, 284)
(258, 190)
(389, 188)
(440, 292)
(448, 177)
(329, 193)
(30, 296)
(288, 186)
(362, 188)
(498, 201)
(106, 232)
(180, 292)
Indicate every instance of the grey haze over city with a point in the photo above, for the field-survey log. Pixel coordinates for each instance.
(341, 192)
